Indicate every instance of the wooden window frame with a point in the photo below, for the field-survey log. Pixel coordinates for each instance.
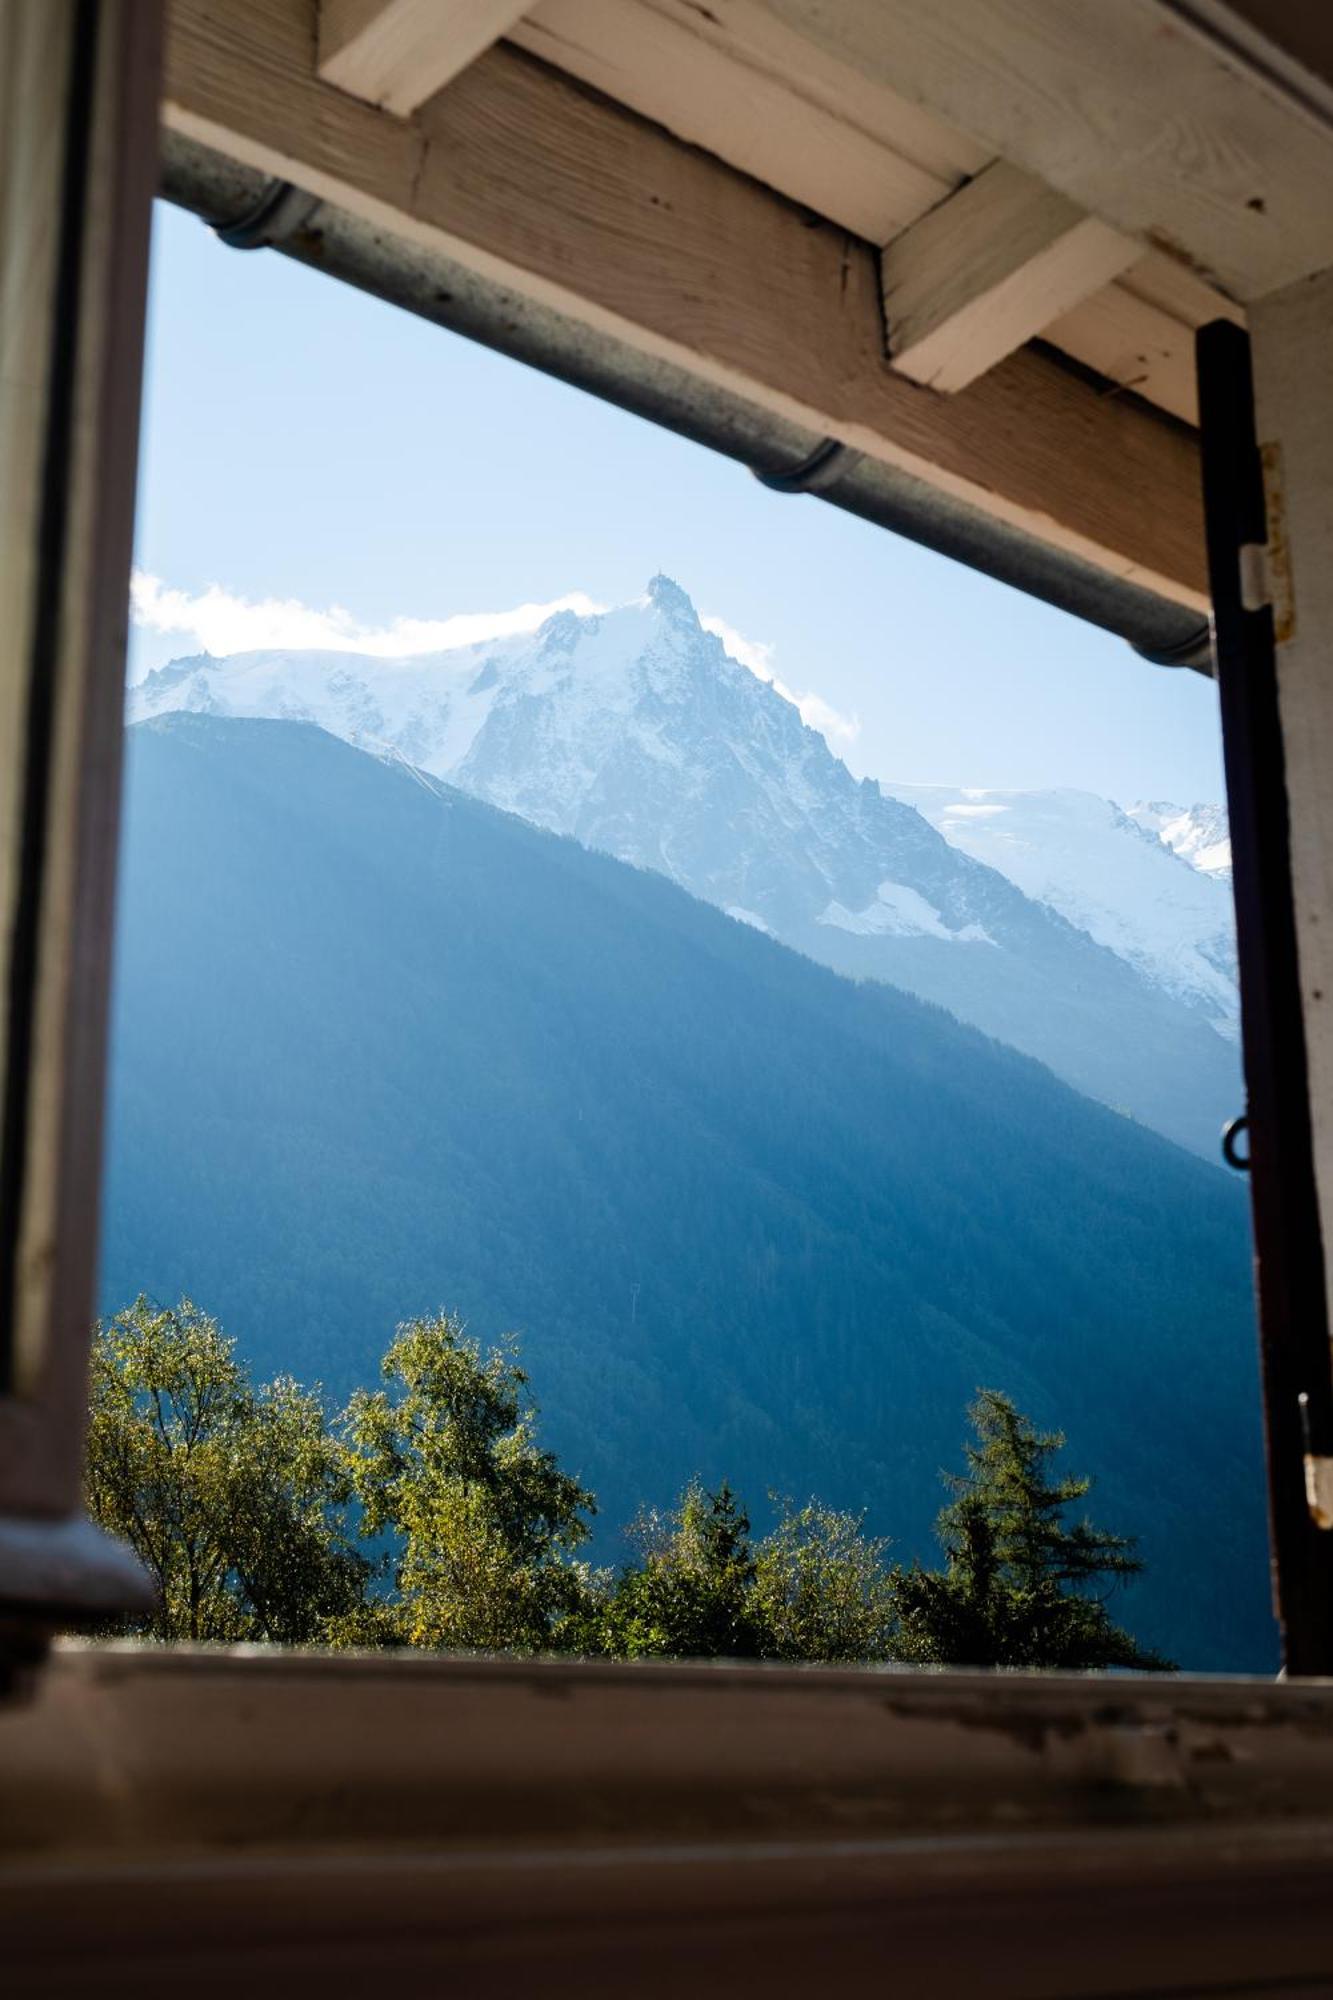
(76, 325)
(600, 1827)
(78, 161)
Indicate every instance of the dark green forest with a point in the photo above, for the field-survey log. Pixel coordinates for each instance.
(376, 1050)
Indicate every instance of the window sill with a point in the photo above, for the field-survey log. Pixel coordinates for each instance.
(619, 1825)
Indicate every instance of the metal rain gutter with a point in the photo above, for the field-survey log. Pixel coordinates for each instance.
(250, 211)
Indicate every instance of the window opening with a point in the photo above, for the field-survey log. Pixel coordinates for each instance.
(384, 1043)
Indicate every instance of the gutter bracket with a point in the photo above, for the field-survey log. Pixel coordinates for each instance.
(282, 208)
(829, 460)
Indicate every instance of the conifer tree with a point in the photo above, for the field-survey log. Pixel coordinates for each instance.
(1022, 1586)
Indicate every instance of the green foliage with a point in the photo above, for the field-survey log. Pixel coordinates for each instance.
(815, 1588)
(688, 1596)
(485, 1521)
(241, 1503)
(1020, 1585)
(823, 1590)
(234, 1498)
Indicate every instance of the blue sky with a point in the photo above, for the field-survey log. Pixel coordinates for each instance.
(309, 451)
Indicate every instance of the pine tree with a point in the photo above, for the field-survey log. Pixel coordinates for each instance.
(1021, 1586)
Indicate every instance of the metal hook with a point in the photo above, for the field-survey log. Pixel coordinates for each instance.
(1230, 1133)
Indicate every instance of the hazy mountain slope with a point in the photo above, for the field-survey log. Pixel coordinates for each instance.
(637, 734)
(1111, 875)
(377, 1050)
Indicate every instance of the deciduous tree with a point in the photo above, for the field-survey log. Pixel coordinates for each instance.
(823, 1589)
(486, 1523)
(235, 1499)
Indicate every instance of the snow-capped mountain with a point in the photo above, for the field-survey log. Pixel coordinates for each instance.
(1142, 889)
(635, 732)
(1198, 834)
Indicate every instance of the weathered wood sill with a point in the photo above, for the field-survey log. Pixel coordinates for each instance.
(215, 1817)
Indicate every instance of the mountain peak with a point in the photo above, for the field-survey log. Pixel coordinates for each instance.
(666, 596)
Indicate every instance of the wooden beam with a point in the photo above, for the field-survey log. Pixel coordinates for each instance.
(989, 269)
(550, 192)
(78, 167)
(1139, 333)
(1130, 110)
(1292, 333)
(1133, 344)
(762, 101)
(397, 53)
(734, 79)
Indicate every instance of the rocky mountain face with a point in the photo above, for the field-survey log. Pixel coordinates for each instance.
(637, 734)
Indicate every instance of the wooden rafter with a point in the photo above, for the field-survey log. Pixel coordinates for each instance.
(568, 199)
(739, 81)
(1129, 109)
(989, 269)
(397, 53)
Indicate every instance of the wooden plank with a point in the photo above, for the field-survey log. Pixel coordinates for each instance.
(1129, 110)
(986, 271)
(77, 174)
(734, 79)
(870, 162)
(33, 64)
(541, 187)
(1139, 332)
(397, 53)
(208, 1820)
(1162, 282)
(753, 33)
(262, 1751)
(1135, 345)
(1292, 333)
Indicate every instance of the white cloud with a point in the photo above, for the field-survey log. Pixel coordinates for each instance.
(821, 715)
(757, 655)
(220, 622)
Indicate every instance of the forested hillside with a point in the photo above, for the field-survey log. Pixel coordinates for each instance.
(380, 1049)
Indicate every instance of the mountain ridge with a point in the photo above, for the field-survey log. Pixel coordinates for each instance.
(635, 732)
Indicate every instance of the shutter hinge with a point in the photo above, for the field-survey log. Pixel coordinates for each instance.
(1319, 1489)
(1318, 1475)
(1265, 567)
